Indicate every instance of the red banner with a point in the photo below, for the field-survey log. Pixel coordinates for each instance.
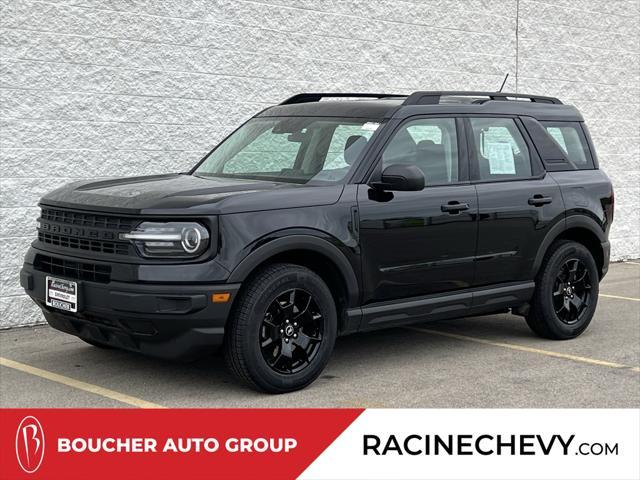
(105, 443)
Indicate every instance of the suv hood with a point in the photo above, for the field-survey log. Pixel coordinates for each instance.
(187, 194)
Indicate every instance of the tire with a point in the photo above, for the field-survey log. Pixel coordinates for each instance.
(560, 309)
(263, 348)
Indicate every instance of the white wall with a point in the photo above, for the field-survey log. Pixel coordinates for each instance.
(98, 88)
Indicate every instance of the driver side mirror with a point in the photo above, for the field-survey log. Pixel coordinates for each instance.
(401, 177)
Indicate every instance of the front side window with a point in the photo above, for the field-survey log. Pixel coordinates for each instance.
(430, 144)
(291, 149)
(501, 151)
(571, 139)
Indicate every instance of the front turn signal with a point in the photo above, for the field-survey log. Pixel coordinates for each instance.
(220, 297)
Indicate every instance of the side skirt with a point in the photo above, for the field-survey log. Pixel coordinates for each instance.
(443, 305)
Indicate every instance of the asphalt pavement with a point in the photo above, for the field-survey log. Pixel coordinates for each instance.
(484, 362)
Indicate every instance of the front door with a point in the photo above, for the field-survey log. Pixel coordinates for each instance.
(423, 242)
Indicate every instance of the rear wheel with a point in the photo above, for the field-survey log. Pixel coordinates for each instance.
(566, 292)
(283, 329)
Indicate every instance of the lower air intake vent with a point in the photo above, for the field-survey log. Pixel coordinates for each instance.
(70, 269)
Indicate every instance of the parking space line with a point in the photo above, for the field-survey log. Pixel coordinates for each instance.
(619, 297)
(523, 348)
(78, 384)
(631, 263)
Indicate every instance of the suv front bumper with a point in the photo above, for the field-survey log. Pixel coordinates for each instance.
(175, 321)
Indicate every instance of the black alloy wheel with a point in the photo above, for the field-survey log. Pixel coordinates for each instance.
(282, 329)
(566, 293)
(572, 291)
(291, 331)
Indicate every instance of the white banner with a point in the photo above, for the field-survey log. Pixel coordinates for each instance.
(580, 444)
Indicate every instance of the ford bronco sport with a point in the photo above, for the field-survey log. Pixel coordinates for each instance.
(324, 216)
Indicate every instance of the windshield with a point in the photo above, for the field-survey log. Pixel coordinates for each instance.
(291, 149)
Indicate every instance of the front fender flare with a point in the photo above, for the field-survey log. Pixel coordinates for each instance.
(300, 242)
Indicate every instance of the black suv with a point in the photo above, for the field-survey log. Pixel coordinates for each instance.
(324, 216)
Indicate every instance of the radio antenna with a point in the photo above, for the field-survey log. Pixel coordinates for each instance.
(503, 82)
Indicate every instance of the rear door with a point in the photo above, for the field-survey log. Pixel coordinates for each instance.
(518, 202)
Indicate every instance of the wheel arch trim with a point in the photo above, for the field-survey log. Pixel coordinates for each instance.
(571, 222)
(300, 242)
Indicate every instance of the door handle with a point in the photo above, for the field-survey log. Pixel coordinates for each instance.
(454, 207)
(539, 200)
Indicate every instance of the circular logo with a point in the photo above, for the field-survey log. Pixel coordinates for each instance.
(30, 444)
(288, 330)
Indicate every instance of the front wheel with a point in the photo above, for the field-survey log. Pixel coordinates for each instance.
(283, 329)
(566, 292)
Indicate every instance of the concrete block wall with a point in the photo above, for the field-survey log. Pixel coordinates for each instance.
(104, 88)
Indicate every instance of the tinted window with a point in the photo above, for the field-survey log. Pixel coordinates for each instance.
(501, 151)
(430, 144)
(570, 138)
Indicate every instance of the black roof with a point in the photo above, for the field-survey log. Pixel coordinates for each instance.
(380, 105)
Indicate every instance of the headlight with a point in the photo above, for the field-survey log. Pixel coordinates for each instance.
(172, 239)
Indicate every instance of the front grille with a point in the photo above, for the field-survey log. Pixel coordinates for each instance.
(84, 244)
(87, 219)
(67, 268)
(95, 233)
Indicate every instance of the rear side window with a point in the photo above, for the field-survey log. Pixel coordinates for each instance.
(570, 138)
(501, 151)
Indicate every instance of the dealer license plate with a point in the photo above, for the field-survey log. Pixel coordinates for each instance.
(62, 294)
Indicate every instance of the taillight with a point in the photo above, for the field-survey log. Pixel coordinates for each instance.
(613, 202)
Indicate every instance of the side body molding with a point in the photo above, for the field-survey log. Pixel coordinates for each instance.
(300, 242)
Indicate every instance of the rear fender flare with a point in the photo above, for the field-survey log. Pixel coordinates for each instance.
(573, 221)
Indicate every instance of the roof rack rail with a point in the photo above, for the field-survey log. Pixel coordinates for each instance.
(316, 97)
(433, 98)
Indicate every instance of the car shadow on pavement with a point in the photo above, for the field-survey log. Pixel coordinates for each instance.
(354, 356)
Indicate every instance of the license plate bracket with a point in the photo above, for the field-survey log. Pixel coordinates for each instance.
(62, 294)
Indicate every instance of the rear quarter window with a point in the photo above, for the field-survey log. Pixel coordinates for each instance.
(570, 137)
